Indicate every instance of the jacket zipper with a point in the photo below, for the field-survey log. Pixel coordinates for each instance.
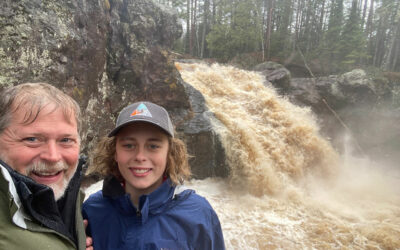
(138, 213)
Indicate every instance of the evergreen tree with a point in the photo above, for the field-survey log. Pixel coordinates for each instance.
(239, 34)
(280, 29)
(353, 41)
(331, 45)
(282, 41)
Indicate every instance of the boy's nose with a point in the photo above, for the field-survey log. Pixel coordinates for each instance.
(140, 155)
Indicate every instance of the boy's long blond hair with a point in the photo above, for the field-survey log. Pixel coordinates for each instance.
(102, 160)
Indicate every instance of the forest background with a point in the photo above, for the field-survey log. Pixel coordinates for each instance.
(333, 36)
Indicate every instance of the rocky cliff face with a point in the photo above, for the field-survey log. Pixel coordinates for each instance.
(354, 103)
(106, 54)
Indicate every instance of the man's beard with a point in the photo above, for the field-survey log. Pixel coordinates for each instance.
(43, 168)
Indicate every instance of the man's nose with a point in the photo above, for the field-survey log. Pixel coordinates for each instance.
(51, 152)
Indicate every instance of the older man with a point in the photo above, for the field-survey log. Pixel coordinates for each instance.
(39, 173)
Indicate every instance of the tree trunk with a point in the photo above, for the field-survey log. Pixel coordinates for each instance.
(368, 30)
(308, 25)
(396, 54)
(268, 31)
(297, 24)
(321, 20)
(368, 27)
(380, 42)
(214, 12)
(205, 25)
(391, 56)
(233, 13)
(195, 36)
(192, 27)
(364, 13)
(188, 36)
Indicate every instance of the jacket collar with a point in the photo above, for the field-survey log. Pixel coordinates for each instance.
(38, 201)
(152, 203)
(16, 208)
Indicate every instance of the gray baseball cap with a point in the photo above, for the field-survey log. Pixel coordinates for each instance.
(144, 112)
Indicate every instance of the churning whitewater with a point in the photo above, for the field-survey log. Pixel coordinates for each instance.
(288, 188)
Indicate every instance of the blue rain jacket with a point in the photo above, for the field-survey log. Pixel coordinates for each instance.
(166, 219)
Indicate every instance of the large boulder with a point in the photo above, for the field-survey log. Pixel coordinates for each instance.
(203, 141)
(275, 73)
(355, 88)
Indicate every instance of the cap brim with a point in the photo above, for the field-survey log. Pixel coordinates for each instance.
(115, 130)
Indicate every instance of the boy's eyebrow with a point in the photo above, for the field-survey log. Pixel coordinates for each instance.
(126, 138)
(129, 138)
(155, 139)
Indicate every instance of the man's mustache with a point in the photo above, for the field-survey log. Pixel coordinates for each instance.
(43, 168)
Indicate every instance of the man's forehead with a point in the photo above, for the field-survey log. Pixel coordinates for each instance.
(25, 115)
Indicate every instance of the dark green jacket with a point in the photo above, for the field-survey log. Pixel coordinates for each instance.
(37, 221)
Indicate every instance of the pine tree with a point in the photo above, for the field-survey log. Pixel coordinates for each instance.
(238, 34)
(331, 45)
(353, 41)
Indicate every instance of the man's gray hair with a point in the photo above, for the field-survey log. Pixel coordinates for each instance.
(32, 98)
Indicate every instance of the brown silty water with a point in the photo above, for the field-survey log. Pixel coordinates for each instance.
(288, 188)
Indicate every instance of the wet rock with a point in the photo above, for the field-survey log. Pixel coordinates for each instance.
(275, 73)
(356, 88)
(356, 104)
(204, 144)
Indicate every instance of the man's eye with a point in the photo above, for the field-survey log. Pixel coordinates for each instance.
(30, 139)
(66, 140)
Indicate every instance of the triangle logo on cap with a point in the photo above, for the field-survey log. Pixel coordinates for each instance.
(141, 110)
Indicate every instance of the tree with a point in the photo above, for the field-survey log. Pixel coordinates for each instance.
(238, 31)
(284, 10)
(330, 48)
(205, 26)
(353, 41)
(193, 30)
(393, 52)
(270, 7)
(368, 30)
(188, 39)
(340, 36)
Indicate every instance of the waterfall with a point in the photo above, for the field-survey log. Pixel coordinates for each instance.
(288, 188)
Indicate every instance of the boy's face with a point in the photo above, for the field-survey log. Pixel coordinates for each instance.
(141, 154)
